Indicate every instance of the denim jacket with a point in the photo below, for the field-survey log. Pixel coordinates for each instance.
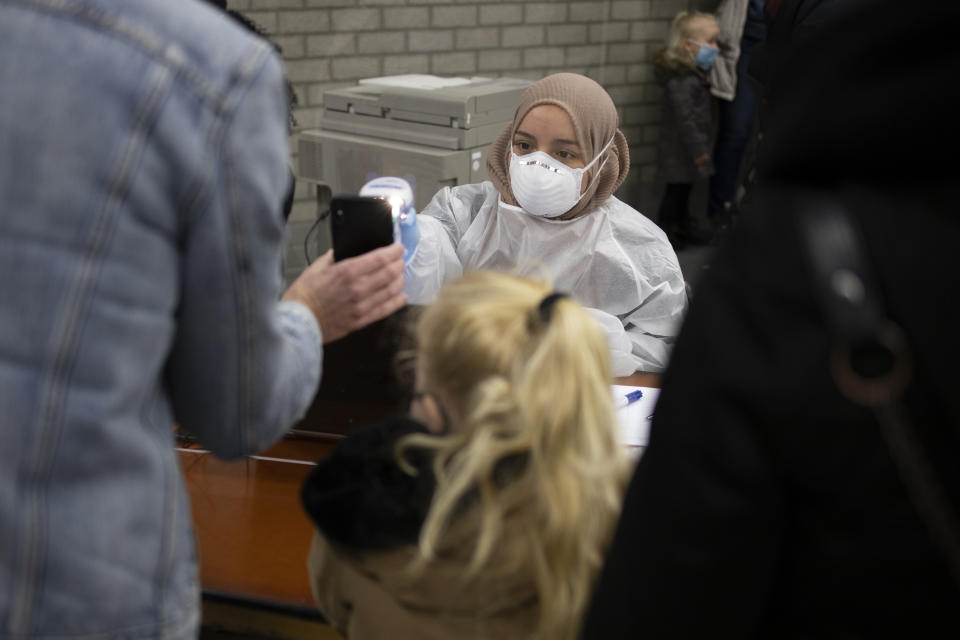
(143, 167)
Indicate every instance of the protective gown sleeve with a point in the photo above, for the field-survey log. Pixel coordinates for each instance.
(642, 339)
(636, 289)
(653, 326)
(442, 223)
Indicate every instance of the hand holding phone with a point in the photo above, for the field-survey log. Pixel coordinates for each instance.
(347, 295)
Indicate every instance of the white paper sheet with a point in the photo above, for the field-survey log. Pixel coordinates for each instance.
(635, 418)
(417, 81)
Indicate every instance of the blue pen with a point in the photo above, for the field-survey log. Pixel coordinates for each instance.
(629, 398)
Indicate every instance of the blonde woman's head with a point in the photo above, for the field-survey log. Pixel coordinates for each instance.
(489, 328)
(508, 370)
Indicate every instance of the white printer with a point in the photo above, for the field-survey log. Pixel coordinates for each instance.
(431, 130)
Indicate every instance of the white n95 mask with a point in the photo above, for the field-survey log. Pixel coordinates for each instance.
(546, 187)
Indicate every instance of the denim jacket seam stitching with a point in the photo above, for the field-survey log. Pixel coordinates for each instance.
(147, 42)
(57, 374)
(245, 73)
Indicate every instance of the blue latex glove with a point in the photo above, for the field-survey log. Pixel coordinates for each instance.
(400, 195)
(409, 234)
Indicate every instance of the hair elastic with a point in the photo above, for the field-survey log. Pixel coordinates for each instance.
(546, 305)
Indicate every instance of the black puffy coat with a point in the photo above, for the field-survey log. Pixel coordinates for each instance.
(768, 504)
(686, 122)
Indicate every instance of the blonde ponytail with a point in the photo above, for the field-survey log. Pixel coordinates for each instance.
(537, 440)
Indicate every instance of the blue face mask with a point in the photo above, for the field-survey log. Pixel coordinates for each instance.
(706, 55)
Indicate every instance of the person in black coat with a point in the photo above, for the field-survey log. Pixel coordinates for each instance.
(683, 148)
(776, 500)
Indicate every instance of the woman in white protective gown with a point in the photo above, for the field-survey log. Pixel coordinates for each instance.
(548, 211)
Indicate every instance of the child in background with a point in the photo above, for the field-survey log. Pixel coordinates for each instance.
(684, 146)
(487, 514)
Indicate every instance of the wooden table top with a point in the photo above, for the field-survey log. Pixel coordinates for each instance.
(252, 534)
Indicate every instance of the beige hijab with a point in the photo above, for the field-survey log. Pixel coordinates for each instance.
(594, 119)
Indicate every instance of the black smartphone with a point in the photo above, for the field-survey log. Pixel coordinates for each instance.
(359, 224)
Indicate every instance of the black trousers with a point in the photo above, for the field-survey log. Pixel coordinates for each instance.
(675, 205)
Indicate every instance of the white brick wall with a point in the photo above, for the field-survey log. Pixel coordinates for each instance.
(589, 11)
(334, 43)
(503, 13)
(309, 69)
(398, 65)
(522, 36)
(630, 9)
(454, 63)
(626, 52)
(609, 32)
(356, 68)
(301, 22)
(355, 19)
(405, 18)
(430, 40)
(327, 46)
(382, 42)
(654, 31)
(541, 12)
(593, 54)
(544, 57)
(481, 38)
(456, 16)
(669, 8)
(503, 60)
(567, 34)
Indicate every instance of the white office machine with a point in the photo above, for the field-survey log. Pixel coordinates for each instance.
(430, 130)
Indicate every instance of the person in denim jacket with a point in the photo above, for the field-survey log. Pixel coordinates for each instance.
(144, 165)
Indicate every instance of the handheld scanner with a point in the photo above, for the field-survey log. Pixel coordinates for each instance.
(398, 193)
